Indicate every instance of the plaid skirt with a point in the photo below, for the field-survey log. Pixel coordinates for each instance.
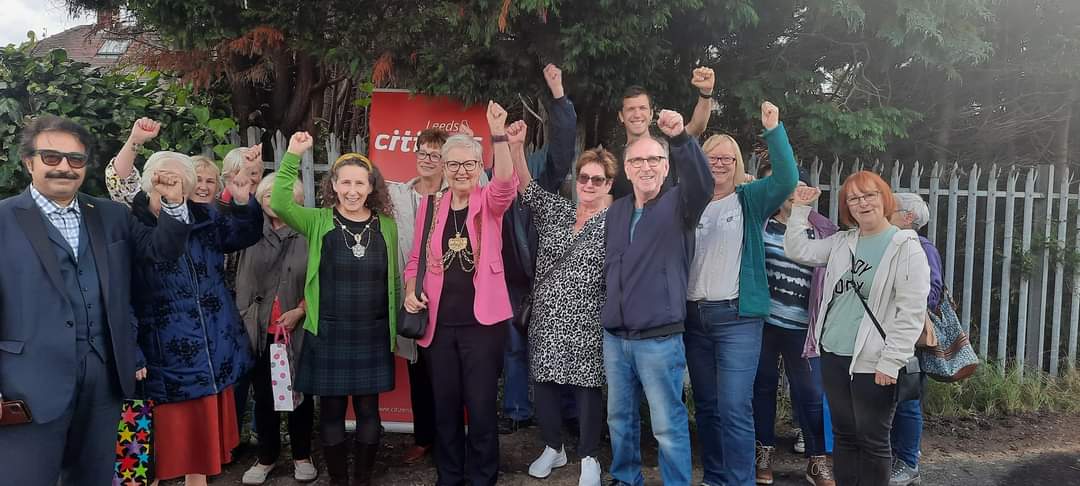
(347, 358)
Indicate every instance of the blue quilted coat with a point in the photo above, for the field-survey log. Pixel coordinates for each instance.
(189, 329)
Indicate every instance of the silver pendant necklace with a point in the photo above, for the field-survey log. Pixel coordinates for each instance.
(358, 248)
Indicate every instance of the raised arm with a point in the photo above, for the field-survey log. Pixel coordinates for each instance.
(695, 181)
(242, 226)
(516, 132)
(704, 80)
(562, 126)
(773, 190)
(296, 216)
(797, 243)
(121, 177)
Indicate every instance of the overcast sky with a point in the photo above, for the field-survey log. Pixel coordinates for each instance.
(44, 17)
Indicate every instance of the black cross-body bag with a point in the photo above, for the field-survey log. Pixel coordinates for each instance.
(524, 311)
(413, 325)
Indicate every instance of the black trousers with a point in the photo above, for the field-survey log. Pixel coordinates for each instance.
(862, 413)
(268, 421)
(465, 363)
(423, 402)
(548, 401)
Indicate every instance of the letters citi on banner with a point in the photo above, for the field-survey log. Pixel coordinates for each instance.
(397, 118)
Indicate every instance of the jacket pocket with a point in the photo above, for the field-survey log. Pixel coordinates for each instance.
(497, 267)
(13, 347)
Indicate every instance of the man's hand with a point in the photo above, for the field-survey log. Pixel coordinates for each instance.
(553, 76)
(170, 186)
(704, 80)
(516, 131)
(140, 375)
(300, 142)
(144, 130)
(770, 115)
(805, 195)
(240, 186)
(671, 123)
(496, 117)
(289, 320)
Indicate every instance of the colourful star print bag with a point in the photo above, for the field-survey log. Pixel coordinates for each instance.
(135, 438)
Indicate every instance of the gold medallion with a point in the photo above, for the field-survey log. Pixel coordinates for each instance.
(457, 243)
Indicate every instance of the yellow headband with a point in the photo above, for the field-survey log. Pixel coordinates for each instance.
(352, 155)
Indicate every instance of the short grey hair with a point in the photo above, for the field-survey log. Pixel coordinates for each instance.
(234, 161)
(465, 142)
(267, 185)
(912, 203)
(155, 162)
(660, 141)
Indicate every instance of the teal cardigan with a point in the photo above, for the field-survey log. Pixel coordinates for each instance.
(314, 224)
(760, 200)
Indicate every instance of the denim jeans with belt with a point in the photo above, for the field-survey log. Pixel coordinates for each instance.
(722, 352)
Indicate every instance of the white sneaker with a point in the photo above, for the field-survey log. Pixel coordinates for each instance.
(590, 472)
(257, 474)
(548, 460)
(305, 471)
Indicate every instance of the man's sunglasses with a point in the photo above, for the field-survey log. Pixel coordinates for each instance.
(52, 158)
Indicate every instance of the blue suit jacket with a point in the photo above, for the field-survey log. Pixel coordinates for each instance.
(37, 337)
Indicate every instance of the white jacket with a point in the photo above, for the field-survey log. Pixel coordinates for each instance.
(897, 296)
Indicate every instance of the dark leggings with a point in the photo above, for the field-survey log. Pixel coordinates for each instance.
(548, 398)
(332, 419)
(862, 414)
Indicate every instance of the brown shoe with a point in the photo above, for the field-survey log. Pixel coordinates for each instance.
(763, 464)
(416, 454)
(819, 471)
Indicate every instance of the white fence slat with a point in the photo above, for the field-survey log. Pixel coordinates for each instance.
(1025, 278)
(988, 264)
(969, 248)
(935, 189)
(950, 240)
(1059, 272)
(1044, 297)
(1006, 268)
(307, 172)
(815, 179)
(834, 195)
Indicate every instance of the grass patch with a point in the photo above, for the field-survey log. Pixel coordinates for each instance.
(995, 392)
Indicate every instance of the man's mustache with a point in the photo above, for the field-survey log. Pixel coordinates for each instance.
(59, 174)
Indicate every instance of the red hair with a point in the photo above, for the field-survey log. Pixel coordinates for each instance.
(865, 181)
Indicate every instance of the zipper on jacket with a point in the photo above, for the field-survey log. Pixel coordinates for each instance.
(202, 322)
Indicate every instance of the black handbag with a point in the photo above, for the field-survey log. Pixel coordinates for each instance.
(413, 325)
(524, 310)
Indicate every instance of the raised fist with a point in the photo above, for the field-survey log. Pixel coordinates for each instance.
(239, 186)
(253, 153)
(553, 76)
(516, 131)
(300, 142)
(496, 117)
(770, 115)
(671, 123)
(704, 80)
(144, 130)
(169, 185)
(805, 195)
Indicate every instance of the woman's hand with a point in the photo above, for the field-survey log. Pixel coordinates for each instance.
(496, 117)
(770, 115)
(290, 319)
(300, 142)
(883, 379)
(805, 195)
(140, 375)
(414, 305)
(516, 131)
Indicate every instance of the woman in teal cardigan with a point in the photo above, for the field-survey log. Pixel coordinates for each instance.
(728, 296)
(351, 297)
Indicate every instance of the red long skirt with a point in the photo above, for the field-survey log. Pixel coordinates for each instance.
(195, 436)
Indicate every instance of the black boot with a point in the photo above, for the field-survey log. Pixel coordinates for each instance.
(337, 463)
(365, 463)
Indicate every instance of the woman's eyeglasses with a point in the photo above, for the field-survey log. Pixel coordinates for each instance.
(52, 158)
(868, 197)
(468, 165)
(432, 156)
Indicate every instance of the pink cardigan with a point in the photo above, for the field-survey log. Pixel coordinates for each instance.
(487, 204)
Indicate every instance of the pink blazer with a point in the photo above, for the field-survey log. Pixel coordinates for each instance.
(487, 204)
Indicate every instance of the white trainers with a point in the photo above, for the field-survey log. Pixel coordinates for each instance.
(548, 460)
(305, 471)
(590, 472)
(257, 474)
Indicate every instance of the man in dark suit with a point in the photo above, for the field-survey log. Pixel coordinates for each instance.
(67, 343)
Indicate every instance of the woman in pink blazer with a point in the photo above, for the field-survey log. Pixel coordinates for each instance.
(465, 293)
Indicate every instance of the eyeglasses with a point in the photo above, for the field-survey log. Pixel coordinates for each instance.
(722, 160)
(432, 156)
(468, 165)
(653, 161)
(868, 197)
(596, 180)
(76, 160)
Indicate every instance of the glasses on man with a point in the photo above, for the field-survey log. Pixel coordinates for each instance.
(432, 156)
(52, 158)
(722, 160)
(468, 165)
(868, 197)
(653, 161)
(596, 180)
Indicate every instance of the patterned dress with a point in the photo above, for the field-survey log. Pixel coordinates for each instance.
(565, 337)
(351, 354)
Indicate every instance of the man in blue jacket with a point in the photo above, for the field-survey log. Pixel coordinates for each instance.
(67, 348)
(650, 243)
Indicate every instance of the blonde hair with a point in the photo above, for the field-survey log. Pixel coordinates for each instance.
(714, 141)
(267, 184)
(204, 162)
(154, 163)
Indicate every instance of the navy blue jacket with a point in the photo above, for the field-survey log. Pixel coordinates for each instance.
(647, 279)
(189, 329)
(38, 361)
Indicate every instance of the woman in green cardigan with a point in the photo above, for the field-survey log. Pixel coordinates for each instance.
(351, 295)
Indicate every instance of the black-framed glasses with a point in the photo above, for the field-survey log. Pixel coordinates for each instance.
(596, 180)
(468, 165)
(432, 156)
(868, 197)
(52, 158)
(722, 160)
(653, 161)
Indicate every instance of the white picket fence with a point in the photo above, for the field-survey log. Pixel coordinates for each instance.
(959, 201)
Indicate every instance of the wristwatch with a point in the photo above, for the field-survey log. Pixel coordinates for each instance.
(705, 96)
(500, 138)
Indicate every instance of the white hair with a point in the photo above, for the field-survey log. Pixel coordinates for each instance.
(912, 203)
(267, 185)
(233, 162)
(155, 162)
(465, 142)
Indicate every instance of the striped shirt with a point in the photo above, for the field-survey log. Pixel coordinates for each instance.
(789, 282)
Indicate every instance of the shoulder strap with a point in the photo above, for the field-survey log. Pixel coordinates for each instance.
(428, 219)
(558, 263)
(861, 299)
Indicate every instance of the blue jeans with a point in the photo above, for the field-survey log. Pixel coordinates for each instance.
(806, 390)
(654, 366)
(722, 350)
(516, 404)
(907, 431)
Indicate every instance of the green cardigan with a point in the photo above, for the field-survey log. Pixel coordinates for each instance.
(760, 200)
(314, 224)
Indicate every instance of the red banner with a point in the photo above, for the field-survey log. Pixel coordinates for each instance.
(397, 118)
